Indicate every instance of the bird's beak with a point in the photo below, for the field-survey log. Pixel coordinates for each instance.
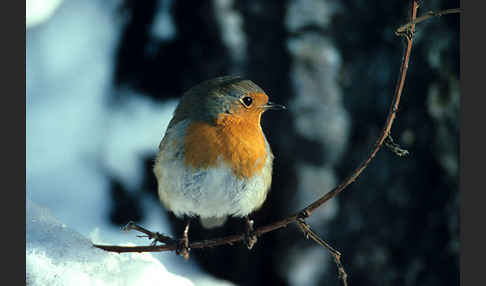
(273, 106)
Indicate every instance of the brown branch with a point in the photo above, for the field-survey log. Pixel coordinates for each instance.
(394, 147)
(307, 211)
(430, 14)
(407, 31)
(309, 233)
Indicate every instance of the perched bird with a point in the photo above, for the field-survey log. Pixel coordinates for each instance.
(214, 160)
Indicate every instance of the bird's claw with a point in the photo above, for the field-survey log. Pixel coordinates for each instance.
(183, 248)
(250, 236)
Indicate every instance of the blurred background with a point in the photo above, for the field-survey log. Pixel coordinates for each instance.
(103, 78)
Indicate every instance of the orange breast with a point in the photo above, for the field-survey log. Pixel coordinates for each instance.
(239, 143)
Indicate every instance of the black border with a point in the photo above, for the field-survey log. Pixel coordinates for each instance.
(472, 74)
(13, 141)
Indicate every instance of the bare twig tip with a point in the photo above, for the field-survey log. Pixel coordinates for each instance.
(394, 147)
(129, 226)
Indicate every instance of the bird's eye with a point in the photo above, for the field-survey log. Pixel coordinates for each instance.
(247, 101)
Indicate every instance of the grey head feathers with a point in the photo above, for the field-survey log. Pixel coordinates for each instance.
(205, 101)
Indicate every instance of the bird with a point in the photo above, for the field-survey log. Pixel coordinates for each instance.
(214, 160)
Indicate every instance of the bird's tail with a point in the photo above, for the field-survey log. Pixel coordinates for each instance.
(212, 222)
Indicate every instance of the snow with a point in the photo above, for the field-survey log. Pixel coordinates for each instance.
(76, 138)
(38, 11)
(58, 255)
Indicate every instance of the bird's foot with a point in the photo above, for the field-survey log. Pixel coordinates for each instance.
(250, 235)
(183, 248)
(183, 245)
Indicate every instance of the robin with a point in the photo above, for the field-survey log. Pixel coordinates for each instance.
(214, 160)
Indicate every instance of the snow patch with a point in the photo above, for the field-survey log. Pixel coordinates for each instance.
(57, 255)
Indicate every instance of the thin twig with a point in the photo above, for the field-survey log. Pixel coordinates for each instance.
(171, 244)
(309, 233)
(388, 124)
(150, 235)
(428, 15)
(394, 147)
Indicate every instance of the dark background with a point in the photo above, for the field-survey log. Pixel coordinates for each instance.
(334, 64)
